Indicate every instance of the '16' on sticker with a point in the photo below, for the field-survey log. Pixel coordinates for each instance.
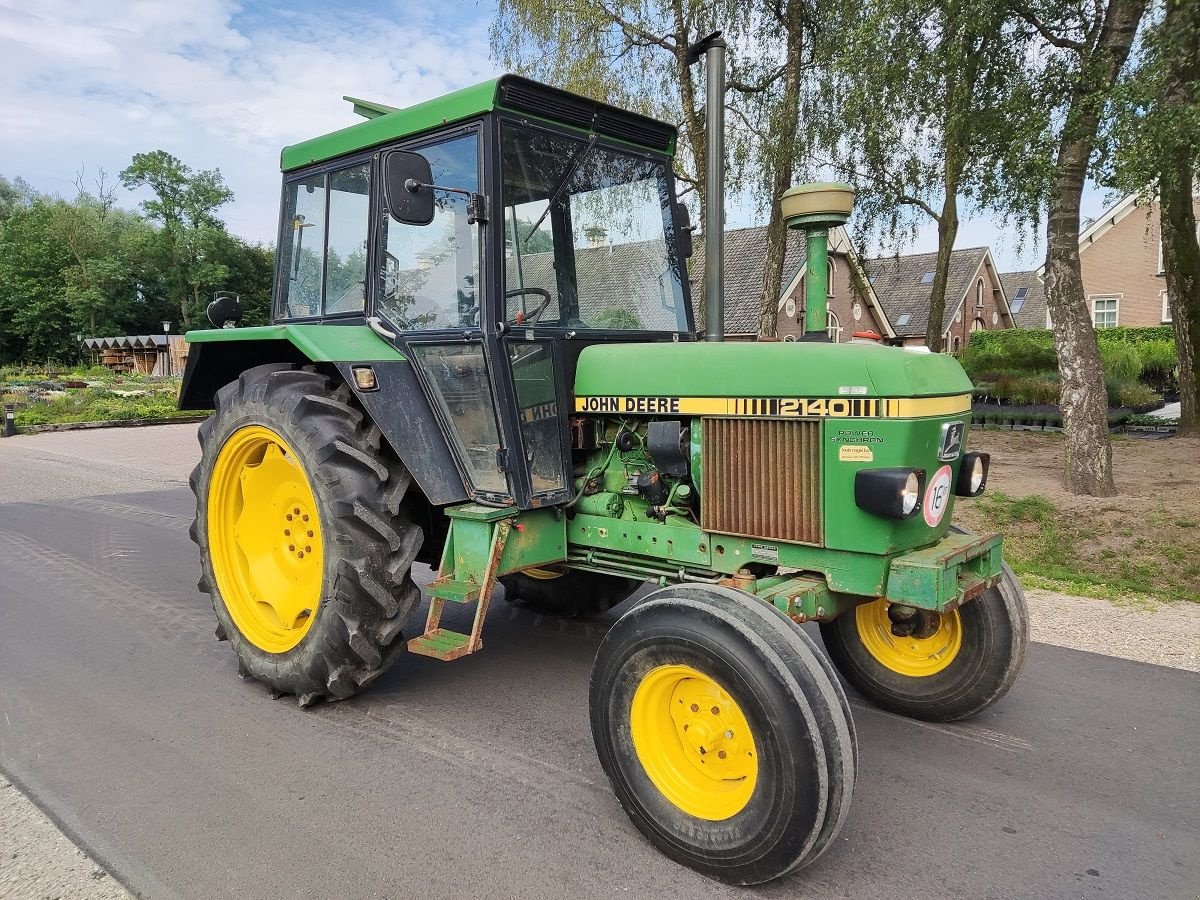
(937, 496)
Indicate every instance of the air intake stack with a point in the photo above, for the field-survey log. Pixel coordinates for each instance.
(815, 208)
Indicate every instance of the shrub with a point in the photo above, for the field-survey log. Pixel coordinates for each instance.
(1121, 361)
(1160, 362)
(1132, 394)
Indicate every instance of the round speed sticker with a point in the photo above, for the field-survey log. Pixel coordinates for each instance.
(937, 496)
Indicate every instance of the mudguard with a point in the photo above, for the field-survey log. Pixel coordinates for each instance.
(399, 407)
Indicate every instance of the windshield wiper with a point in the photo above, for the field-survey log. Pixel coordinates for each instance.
(562, 184)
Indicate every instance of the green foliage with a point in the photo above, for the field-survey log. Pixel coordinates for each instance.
(86, 266)
(1121, 361)
(1131, 394)
(1020, 350)
(103, 405)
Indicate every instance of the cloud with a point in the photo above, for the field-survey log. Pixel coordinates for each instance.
(217, 83)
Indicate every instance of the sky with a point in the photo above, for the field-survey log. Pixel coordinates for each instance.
(222, 84)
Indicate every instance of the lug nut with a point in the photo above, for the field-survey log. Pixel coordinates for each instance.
(695, 707)
(716, 710)
(721, 754)
(300, 554)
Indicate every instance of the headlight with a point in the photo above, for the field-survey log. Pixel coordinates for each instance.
(972, 475)
(895, 493)
(910, 496)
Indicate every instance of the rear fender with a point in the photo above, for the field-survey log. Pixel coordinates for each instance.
(399, 406)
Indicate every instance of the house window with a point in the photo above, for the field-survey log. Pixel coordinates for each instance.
(833, 326)
(1104, 312)
(831, 269)
(1166, 314)
(979, 325)
(1018, 300)
(957, 343)
(979, 294)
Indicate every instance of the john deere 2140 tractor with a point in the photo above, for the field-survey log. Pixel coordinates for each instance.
(483, 356)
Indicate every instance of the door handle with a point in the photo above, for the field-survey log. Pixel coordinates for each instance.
(376, 325)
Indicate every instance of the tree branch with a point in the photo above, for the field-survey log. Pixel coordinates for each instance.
(1062, 43)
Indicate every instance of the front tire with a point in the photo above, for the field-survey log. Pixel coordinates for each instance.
(723, 736)
(305, 549)
(955, 664)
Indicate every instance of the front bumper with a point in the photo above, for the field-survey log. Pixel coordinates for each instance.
(956, 569)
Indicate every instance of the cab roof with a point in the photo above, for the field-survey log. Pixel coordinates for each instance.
(509, 92)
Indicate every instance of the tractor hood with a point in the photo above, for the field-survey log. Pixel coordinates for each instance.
(705, 369)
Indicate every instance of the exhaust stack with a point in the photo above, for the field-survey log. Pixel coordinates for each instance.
(712, 48)
(816, 208)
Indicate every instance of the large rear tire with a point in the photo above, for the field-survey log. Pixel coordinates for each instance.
(304, 545)
(954, 665)
(567, 592)
(723, 736)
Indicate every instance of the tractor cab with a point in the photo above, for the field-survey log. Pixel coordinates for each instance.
(490, 252)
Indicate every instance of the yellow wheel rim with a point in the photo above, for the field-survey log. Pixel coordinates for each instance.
(264, 539)
(542, 574)
(694, 742)
(916, 657)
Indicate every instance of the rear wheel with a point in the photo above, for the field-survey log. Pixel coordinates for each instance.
(305, 549)
(567, 592)
(722, 734)
(930, 666)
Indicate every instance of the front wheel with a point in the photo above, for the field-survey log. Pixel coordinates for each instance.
(938, 667)
(722, 734)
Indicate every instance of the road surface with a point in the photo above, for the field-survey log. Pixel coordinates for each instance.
(126, 721)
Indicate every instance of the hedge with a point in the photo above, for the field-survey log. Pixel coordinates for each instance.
(999, 339)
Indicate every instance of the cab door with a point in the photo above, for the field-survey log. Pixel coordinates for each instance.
(429, 299)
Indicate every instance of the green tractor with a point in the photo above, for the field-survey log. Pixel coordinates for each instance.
(483, 356)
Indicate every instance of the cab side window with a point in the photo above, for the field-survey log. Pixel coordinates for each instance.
(430, 273)
(324, 243)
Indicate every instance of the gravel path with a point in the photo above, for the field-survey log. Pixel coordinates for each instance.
(1164, 634)
(38, 862)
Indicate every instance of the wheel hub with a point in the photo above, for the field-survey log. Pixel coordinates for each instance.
(694, 742)
(909, 641)
(265, 538)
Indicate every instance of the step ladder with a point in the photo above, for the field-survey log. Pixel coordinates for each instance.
(467, 574)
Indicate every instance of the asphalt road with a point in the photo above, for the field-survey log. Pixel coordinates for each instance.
(124, 718)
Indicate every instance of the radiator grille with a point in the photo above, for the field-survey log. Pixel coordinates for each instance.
(762, 478)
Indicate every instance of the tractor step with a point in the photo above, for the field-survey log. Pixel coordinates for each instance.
(468, 576)
(454, 591)
(443, 644)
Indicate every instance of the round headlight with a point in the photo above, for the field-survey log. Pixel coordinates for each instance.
(911, 495)
(977, 473)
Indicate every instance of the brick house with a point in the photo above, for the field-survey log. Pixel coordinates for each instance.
(975, 296)
(1120, 259)
(853, 304)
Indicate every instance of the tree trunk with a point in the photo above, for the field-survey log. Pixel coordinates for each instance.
(1084, 399)
(1177, 216)
(947, 235)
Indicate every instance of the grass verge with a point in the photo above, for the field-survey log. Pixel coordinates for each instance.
(1117, 554)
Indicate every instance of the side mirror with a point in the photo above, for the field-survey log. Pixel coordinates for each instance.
(408, 187)
(225, 311)
(683, 222)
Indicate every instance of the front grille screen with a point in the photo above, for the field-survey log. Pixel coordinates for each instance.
(762, 478)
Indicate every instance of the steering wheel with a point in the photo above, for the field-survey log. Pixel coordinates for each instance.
(532, 318)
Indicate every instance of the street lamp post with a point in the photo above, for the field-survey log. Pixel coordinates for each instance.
(167, 332)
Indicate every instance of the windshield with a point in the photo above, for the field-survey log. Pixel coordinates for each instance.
(589, 240)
